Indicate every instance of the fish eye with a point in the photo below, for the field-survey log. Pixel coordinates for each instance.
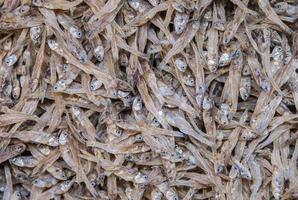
(296, 70)
(151, 49)
(55, 87)
(118, 132)
(93, 183)
(18, 194)
(145, 177)
(250, 51)
(65, 66)
(140, 137)
(128, 157)
(20, 148)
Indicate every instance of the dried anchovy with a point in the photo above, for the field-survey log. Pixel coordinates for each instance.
(148, 99)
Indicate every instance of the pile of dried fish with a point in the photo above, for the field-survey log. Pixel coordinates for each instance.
(148, 99)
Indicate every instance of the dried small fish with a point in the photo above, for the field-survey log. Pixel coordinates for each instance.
(12, 151)
(212, 45)
(272, 16)
(137, 99)
(46, 181)
(180, 22)
(24, 161)
(245, 88)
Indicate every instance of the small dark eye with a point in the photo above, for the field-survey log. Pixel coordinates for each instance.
(65, 67)
(119, 132)
(129, 157)
(145, 177)
(296, 70)
(140, 137)
(93, 183)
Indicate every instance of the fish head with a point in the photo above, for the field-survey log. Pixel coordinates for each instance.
(37, 2)
(280, 7)
(11, 60)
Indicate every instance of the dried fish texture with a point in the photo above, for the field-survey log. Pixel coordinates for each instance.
(148, 99)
